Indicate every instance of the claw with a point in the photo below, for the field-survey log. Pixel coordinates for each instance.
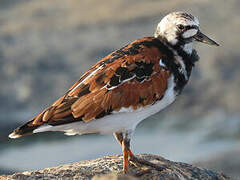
(136, 160)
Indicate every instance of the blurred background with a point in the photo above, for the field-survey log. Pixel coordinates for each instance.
(45, 46)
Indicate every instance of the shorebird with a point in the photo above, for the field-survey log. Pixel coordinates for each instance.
(127, 86)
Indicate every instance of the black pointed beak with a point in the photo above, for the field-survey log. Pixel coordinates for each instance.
(204, 39)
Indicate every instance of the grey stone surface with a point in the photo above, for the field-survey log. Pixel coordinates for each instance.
(110, 167)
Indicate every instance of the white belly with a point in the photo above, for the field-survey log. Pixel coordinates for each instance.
(125, 119)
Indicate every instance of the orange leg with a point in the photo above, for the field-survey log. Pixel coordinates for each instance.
(127, 153)
(119, 137)
(131, 155)
(125, 157)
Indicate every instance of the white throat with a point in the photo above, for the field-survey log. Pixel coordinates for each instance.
(188, 48)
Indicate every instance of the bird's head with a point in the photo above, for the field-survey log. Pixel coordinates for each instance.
(181, 28)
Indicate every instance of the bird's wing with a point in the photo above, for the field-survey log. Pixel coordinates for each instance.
(130, 77)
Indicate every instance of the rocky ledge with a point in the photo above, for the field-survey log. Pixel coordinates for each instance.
(110, 168)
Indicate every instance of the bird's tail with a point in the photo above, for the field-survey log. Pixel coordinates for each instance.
(24, 130)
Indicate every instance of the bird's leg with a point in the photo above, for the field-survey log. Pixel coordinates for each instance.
(119, 137)
(124, 140)
(125, 144)
(132, 157)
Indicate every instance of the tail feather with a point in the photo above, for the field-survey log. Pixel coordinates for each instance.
(23, 130)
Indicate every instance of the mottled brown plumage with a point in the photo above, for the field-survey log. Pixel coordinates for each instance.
(92, 99)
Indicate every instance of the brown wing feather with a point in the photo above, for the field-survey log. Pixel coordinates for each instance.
(98, 94)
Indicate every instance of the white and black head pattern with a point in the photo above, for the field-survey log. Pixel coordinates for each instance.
(178, 27)
(177, 31)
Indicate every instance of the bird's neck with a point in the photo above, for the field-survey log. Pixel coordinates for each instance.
(186, 53)
(184, 58)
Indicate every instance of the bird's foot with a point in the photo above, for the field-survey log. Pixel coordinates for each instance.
(138, 162)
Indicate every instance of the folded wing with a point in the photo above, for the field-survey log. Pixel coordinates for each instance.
(127, 78)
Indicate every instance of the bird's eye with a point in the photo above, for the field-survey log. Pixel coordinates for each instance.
(181, 27)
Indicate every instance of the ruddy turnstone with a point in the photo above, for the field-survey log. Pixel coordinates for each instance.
(127, 86)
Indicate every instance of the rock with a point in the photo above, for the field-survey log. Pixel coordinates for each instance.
(110, 168)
